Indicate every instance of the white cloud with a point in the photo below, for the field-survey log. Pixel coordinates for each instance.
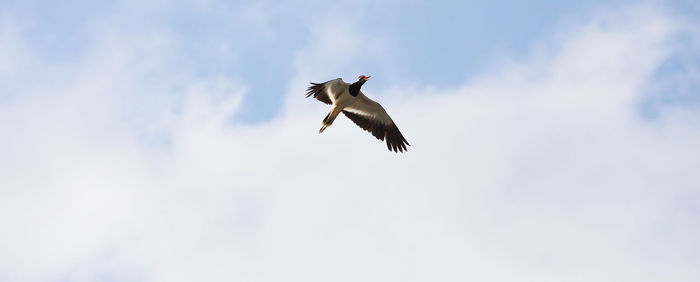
(539, 170)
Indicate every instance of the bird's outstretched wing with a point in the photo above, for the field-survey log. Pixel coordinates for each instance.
(321, 91)
(371, 116)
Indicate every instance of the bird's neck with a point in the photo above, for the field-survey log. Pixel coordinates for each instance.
(355, 88)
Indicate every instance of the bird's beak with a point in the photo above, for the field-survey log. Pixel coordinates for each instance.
(367, 77)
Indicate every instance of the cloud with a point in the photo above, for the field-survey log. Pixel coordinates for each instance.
(118, 167)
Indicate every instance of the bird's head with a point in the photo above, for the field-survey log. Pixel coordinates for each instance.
(355, 87)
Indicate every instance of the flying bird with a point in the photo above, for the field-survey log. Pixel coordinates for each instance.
(366, 113)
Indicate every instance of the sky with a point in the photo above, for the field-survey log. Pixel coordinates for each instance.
(171, 141)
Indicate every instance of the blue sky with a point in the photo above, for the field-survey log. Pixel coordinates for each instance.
(439, 44)
(171, 141)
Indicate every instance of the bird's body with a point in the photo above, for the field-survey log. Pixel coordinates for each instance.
(363, 111)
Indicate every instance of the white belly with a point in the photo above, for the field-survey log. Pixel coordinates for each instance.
(341, 99)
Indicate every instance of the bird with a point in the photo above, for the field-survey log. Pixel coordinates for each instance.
(363, 111)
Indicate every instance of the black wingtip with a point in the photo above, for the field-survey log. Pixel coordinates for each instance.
(316, 90)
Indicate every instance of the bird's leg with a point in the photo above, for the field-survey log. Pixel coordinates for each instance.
(325, 124)
(328, 120)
